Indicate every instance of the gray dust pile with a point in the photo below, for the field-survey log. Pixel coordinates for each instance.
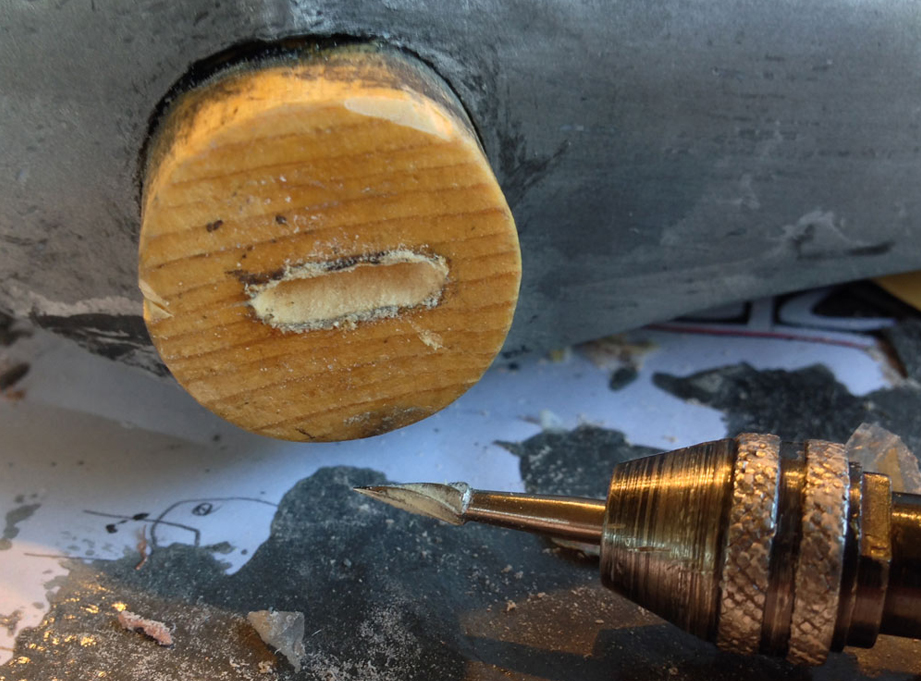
(796, 405)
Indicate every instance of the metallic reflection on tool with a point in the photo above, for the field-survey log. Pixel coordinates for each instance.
(757, 545)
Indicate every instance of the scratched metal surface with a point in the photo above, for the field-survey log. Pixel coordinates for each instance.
(659, 157)
(103, 465)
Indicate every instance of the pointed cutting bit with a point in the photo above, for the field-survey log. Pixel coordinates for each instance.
(441, 502)
(569, 518)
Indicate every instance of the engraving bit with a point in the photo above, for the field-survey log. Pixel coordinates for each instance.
(757, 545)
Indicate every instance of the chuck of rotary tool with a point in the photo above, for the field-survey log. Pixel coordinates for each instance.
(765, 546)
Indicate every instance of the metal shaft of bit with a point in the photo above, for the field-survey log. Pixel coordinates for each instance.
(570, 518)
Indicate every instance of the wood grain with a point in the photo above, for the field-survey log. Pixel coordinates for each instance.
(304, 168)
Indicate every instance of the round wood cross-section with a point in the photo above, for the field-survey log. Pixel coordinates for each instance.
(325, 253)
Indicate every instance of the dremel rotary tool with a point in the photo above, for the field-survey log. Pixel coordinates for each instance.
(758, 545)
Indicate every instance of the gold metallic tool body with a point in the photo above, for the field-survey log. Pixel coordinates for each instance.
(757, 545)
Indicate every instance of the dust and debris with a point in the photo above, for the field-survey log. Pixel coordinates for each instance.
(429, 338)
(282, 630)
(622, 355)
(577, 462)
(223, 547)
(12, 329)
(560, 355)
(11, 621)
(158, 631)
(13, 395)
(155, 305)
(13, 518)
(797, 405)
(80, 639)
(394, 614)
(878, 450)
(905, 340)
(10, 377)
(11, 374)
(142, 547)
(621, 351)
(889, 364)
(622, 377)
(548, 420)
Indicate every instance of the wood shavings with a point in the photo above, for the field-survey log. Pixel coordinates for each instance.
(614, 352)
(429, 338)
(142, 548)
(158, 631)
